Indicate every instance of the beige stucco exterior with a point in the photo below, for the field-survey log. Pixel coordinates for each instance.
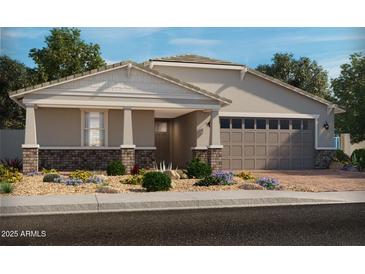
(256, 95)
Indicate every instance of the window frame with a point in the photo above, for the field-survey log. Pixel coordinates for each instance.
(106, 126)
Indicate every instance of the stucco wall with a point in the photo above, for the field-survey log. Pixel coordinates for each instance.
(254, 94)
(184, 138)
(58, 127)
(143, 128)
(115, 125)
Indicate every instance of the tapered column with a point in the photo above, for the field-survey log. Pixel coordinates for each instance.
(127, 148)
(215, 147)
(30, 146)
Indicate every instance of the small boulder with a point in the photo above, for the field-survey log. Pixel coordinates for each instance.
(182, 174)
(350, 167)
(336, 165)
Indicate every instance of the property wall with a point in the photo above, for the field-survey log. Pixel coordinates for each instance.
(11, 141)
(254, 94)
(346, 145)
(184, 136)
(58, 126)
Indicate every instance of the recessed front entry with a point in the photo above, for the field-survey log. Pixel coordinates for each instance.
(162, 140)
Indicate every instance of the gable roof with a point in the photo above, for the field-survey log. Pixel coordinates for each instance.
(21, 92)
(197, 59)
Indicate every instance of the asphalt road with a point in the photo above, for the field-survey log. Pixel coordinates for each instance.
(290, 225)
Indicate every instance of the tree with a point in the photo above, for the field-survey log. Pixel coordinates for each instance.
(13, 76)
(65, 54)
(303, 73)
(349, 92)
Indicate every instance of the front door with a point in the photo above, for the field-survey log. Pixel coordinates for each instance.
(162, 141)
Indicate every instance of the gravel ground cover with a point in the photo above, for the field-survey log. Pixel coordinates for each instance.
(307, 180)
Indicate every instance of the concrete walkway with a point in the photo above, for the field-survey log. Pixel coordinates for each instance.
(61, 204)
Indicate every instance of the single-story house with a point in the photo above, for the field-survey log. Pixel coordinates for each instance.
(174, 109)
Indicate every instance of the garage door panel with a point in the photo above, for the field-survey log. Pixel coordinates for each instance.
(249, 150)
(236, 150)
(225, 137)
(275, 147)
(261, 138)
(249, 138)
(249, 164)
(236, 137)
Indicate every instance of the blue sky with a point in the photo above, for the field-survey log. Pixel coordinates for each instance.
(330, 47)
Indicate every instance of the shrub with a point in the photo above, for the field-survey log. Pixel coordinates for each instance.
(10, 174)
(73, 182)
(50, 177)
(115, 168)
(46, 171)
(198, 169)
(135, 170)
(6, 187)
(268, 183)
(95, 179)
(246, 175)
(341, 157)
(217, 178)
(156, 181)
(13, 163)
(358, 158)
(134, 180)
(81, 175)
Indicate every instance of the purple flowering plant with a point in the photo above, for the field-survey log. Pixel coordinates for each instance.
(225, 177)
(267, 182)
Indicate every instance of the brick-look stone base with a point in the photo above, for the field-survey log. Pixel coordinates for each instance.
(323, 158)
(145, 158)
(127, 156)
(30, 160)
(215, 158)
(71, 159)
(201, 154)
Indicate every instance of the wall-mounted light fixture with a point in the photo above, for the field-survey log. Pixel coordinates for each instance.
(208, 124)
(326, 125)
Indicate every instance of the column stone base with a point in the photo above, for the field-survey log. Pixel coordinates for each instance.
(145, 158)
(215, 158)
(323, 158)
(201, 154)
(127, 156)
(30, 160)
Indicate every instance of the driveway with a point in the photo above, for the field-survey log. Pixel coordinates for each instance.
(317, 180)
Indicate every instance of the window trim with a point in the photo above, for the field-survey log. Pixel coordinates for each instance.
(106, 126)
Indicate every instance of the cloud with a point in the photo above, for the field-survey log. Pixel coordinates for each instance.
(29, 33)
(193, 42)
(110, 62)
(318, 39)
(118, 33)
(332, 65)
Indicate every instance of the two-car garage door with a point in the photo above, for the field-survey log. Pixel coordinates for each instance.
(260, 143)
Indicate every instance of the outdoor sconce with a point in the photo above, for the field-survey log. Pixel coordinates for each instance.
(208, 124)
(326, 125)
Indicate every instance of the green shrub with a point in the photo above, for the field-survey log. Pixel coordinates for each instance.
(115, 168)
(6, 187)
(134, 180)
(198, 169)
(10, 174)
(50, 177)
(46, 171)
(341, 157)
(81, 175)
(246, 175)
(358, 158)
(209, 181)
(156, 181)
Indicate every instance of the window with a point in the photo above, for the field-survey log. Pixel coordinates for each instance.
(273, 124)
(224, 123)
(236, 123)
(94, 129)
(305, 125)
(295, 124)
(249, 123)
(284, 124)
(260, 124)
(160, 126)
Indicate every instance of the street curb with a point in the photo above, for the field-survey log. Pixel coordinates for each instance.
(97, 203)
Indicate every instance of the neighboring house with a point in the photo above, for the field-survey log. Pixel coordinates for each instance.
(173, 109)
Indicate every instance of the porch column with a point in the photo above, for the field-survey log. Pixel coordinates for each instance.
(30, 146)
(215, 147)
(127, 149)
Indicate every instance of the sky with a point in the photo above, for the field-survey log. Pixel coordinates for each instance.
(330, 47)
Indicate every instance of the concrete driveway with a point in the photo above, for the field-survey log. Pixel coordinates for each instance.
(317, 180)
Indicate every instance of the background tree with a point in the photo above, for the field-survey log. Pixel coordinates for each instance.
(349, 92)
(303, 73)
(13, 76)
(65, 54)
